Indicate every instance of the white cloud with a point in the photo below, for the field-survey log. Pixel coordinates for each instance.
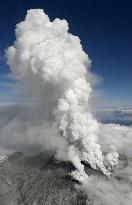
(104, 191)
(117, 136)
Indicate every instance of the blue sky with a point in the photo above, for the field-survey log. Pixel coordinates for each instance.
(105, 30)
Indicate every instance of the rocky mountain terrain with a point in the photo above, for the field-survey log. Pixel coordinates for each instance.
(39, 180)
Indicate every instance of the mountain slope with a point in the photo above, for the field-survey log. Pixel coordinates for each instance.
(37, 180)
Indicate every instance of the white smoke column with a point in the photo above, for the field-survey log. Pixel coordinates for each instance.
(111, 158)
(44, 50)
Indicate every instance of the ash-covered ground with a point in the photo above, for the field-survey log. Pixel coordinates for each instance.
(41, 180)
(37, 180)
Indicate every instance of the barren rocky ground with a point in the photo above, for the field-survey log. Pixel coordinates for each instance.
(41, 180)
(37, 180)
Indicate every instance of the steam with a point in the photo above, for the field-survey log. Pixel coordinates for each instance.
(116, 136)
(51, 62)
(110, 191)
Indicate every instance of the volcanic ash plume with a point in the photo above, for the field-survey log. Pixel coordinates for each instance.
(45, 51)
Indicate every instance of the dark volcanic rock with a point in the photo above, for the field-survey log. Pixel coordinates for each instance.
(37, 180)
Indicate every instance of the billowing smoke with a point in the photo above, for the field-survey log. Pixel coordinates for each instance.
(53, 79)
(108, 191)
(50, 61)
